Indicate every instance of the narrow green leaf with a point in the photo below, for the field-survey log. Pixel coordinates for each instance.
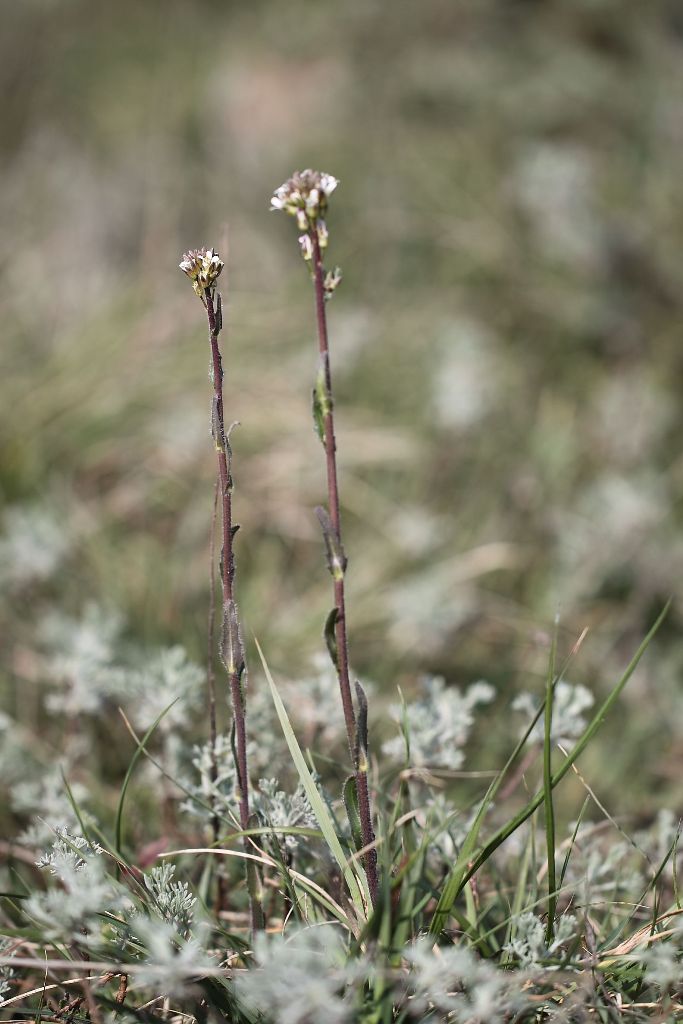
(336, 559)
(548, 789)
(322, 403)
(76, 808)
(350, 795)
(118, 831)
(317, 803)
(331, 637)
(467, 864)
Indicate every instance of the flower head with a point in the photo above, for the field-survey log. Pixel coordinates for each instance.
(202, 266)
(305, 197)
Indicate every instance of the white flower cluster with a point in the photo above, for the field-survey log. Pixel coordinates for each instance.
(203, 267)
(305, 196)
(438, 724)
(568, 723)
(277, 809)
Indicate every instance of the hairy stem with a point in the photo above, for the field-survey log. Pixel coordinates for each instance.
(228, 569)
(330, 445)
(211, 680)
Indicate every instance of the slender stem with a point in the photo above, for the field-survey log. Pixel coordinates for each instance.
(548, 791)
(330, 445)
(211, 681)
(210, 671)
(228, 571)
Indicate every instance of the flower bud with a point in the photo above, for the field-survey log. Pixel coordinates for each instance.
(306, 246)
(305, 196)
(203, 267)
(332, 282)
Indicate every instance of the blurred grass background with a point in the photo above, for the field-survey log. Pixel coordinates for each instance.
(506, 342)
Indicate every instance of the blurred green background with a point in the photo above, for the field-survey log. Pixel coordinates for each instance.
(507, 342)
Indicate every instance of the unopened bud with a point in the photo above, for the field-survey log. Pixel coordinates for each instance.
(203, 267)
(332, 281)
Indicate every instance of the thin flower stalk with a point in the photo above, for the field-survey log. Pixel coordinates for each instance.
(203, 268)
(211, 679)
(305, 197)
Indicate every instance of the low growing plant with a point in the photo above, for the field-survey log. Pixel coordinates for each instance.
(321, 885)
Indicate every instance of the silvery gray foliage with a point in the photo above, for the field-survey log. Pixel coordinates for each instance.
(211, 794)
(46, 801)
(528, 943)
(276, 808)
(160, 678)
(83, 660)
(33, 545)
(6, 970)
(663, 962)
(90, 665)
(172, 900)
(451, 983)
(171, 961)
(265, 742)
(598, 865)
(300, 977)
(16, 758)
(447, 828)
(73, 908)
(438, 723)
(313, 701)
(658, 841)
(570, 701)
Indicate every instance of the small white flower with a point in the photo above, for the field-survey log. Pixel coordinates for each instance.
(306, 246)
(305, 197)
(203, 267)
(323, 234)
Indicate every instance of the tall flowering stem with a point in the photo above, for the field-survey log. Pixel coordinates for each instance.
(305, 197)
(203, 266)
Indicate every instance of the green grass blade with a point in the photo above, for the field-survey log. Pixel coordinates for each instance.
(76, 809)
(503, 833)
(453, 884)
(317, 803)
(118, 831)
(466, 865)
(548, 789)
